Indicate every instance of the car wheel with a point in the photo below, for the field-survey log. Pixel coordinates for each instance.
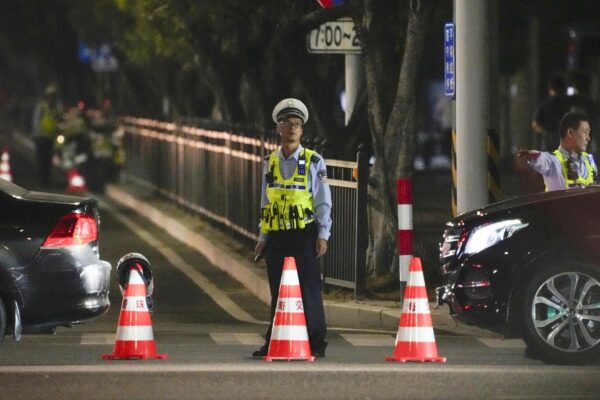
(2, 319)
(561, 313)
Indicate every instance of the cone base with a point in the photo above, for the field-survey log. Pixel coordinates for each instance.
(309, 358)
(134, 350)
(416, 359)
(135, 357)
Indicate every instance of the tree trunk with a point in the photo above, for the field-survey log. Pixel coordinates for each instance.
(392, 125)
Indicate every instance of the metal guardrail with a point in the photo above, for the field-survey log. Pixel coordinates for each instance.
(219, 174)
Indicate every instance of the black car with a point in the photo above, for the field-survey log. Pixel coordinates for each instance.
(50, 271)
(529, 267)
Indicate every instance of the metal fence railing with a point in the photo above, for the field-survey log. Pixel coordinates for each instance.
(218, 174)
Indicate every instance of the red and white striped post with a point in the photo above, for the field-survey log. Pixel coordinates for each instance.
(405, 228)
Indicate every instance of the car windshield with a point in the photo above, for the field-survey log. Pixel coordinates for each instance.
(12, 189)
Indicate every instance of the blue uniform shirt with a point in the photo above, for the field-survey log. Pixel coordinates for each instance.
(318, 186)
(549, 167)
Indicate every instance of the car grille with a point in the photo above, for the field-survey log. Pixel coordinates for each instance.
(449, 247)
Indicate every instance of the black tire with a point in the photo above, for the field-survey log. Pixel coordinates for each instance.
(2, 319)
(559, 318)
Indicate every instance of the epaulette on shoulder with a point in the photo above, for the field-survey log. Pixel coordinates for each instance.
(315, 158)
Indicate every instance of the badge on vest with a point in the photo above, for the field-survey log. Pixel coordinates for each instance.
(298, 180)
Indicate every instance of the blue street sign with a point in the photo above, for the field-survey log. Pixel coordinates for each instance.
(449, 66)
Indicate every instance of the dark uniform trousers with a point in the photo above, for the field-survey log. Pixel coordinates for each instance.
(300, 244)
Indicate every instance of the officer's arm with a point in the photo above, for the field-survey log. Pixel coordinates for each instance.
(262, 237)
(321, 198)
(546, 164)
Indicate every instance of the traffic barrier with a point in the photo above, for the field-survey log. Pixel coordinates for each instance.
(415, 340)
(405, 228)
(5, 172)
(75, 181)
(134, 339)
(289, 336)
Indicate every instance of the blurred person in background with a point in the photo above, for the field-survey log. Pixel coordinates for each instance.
(46, 118)
(547, 117)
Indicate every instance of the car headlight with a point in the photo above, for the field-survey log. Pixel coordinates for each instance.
(488, 235)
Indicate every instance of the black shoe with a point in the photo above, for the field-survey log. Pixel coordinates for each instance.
(319, 353)
(319, 350)
(261, 352)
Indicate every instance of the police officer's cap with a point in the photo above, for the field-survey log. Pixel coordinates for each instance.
(290, 108)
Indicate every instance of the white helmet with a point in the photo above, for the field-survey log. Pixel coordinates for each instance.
(290, 108)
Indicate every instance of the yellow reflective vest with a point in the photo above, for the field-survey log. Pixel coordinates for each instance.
(589, 180)
(290, 200)
(48, 120)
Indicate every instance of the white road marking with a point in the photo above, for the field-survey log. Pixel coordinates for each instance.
(294, 367)
(503, 343)
(225, 339)
(194, 275)
(369, 340)
(97, 338)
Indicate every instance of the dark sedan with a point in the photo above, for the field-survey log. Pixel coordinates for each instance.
(530, 266)
(50, 271)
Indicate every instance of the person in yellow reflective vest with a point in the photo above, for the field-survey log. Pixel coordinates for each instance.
(569, 166)
(46, 117)
(295, 219)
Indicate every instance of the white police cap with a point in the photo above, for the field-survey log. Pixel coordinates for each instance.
(290, 108)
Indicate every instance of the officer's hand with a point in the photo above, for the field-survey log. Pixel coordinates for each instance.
(259, 249)
(529, 155)
(321, 248)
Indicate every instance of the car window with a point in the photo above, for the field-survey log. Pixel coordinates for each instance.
(11, 189)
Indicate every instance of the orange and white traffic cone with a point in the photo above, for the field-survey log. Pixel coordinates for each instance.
(75, 181)
(289, 336)
(415, 340)
(134, 339)
(5, 172)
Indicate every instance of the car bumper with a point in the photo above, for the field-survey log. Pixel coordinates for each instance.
(64, 286)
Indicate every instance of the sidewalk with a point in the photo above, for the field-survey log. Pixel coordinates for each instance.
(236, 259)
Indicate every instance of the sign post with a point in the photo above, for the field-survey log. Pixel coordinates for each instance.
(339, 37)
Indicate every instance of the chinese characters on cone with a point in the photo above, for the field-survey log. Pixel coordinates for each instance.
(289, 336)
(134, 338)
(415, 340)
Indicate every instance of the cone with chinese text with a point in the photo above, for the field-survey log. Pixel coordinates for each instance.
(289, 336)
(415, 340)
(5, 172)
(75, 181)
(134, 339)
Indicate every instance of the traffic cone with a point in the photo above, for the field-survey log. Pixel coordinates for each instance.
(75, 181)
(415, 340)
(134, 338)
(289, 336)
(5, 172)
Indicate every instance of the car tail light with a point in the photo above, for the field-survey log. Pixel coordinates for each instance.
(73, 229)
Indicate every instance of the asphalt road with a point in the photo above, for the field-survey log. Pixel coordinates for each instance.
(208, 325)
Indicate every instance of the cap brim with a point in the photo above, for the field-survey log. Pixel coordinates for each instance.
(290, 112)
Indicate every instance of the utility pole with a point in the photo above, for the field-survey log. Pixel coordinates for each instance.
(473, 79)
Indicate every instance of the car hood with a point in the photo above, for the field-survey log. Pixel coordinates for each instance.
(56, 198)
(523, 202)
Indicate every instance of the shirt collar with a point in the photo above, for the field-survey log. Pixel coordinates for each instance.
(567, 153)
(295, 155)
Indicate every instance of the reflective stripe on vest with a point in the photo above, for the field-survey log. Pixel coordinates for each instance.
(589, 180)
(290, 201)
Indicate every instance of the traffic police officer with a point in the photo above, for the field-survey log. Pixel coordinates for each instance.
(569, 166)
(295, 219)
